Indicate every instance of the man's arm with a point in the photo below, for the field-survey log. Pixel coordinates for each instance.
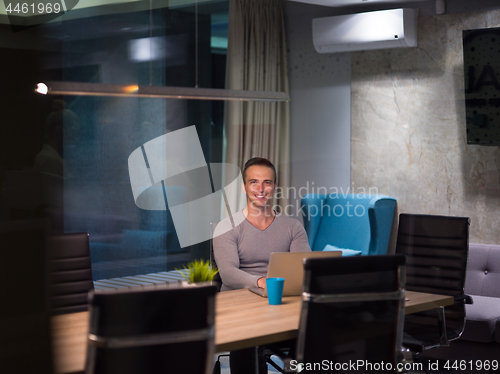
(299, 239)
(228, 262)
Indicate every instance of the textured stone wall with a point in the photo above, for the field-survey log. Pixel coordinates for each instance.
(408, 128)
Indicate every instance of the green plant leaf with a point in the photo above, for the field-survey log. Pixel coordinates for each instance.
(199, 271)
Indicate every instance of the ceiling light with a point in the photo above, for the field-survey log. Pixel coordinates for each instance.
(42, 88)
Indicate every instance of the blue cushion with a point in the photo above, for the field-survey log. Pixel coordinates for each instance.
(355, 221)
(345, 223)
(311, 209)
(345, 252)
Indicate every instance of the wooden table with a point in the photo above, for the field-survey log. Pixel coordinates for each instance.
(419, 301)
(243, 320)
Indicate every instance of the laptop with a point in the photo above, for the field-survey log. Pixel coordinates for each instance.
(289, 265)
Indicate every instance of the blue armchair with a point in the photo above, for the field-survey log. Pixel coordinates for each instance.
(356, 222)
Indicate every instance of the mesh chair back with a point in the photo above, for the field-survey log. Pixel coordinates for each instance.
(436, 249)
(168, 330)
(70, 272)
(353, 309)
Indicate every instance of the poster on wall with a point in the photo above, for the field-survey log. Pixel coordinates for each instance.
(482, 85)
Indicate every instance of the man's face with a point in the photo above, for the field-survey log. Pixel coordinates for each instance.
(259, 185)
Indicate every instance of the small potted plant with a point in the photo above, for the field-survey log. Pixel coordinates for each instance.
(199, 271)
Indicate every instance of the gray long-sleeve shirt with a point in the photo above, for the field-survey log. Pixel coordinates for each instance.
(242, 253)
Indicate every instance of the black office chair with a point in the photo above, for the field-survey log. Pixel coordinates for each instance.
(70, 272)
(436, 249)
(168, 330)
(25, 325)
(353, 309)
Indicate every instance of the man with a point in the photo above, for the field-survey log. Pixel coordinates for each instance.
(242, 253)
(49, 159)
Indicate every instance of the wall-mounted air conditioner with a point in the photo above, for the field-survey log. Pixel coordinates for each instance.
(394, 28)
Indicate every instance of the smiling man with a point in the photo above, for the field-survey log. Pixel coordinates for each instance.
(242, 254)
(242, 251)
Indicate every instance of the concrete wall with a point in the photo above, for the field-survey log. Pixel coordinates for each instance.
(408, 127)
(319, 107)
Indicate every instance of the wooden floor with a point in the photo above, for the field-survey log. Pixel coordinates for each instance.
(144, 280)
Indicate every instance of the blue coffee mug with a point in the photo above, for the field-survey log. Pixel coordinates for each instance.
(274, 290)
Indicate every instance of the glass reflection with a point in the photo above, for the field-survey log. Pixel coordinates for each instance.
(74, 165)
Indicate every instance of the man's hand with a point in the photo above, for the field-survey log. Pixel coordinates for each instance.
(261, 282)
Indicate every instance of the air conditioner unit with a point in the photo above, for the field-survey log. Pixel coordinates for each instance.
(394, 28)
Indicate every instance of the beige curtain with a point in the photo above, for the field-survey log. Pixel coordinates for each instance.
(257, 61)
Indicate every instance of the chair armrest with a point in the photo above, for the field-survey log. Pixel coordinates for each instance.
(381, 214)
(466, 299)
